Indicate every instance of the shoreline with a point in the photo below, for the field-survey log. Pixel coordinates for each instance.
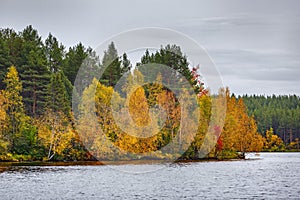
(100, 163)
(5, 164)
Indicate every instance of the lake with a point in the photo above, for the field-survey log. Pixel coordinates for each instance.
(273, 176)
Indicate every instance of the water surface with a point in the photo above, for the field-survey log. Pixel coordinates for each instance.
(274, 176)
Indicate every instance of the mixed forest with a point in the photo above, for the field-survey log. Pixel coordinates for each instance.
(37, 120)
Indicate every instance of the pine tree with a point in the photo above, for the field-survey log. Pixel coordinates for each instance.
(34, 73)
(54, 53)
(90, 69)
(10, 51)
(114, 66)
(171, 56)
(73, 61)
(126, 65)
(57, 99)
(279, 112)
(4, 58)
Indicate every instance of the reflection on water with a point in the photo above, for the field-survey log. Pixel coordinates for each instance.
(274, 176)
(32, 169)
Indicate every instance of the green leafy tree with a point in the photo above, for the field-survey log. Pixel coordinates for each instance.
(91, 127)
(15, 109)
(17, 119)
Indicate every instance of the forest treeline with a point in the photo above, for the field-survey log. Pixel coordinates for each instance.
(280, 113)
(37, 121)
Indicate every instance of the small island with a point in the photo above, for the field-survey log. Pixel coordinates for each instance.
(39, 123)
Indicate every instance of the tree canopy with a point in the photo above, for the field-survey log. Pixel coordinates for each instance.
(37, 121)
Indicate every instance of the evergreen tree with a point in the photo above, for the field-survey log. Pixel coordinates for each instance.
(34, 73)
(126, 65)
(10, 51)
(54, 53)
(57, 100)
(114, 66)
(281, 113)
(172, 57)
(4, 58)
(91, 69)
(69, 88)
(73, 61)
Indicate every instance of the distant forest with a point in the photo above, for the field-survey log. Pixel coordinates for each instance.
(281, 113)
(37, 121)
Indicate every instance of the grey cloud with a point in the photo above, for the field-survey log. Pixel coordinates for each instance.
(253, 43)
(258, 65)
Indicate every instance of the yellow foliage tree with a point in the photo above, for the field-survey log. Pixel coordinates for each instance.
(92, 120)
(55, 132)
(15, 114)
(3, 116)
(273, 142)
(240, 131)
(3, 124)
(138, 107)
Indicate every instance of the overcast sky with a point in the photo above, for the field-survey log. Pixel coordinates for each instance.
(255, 44)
